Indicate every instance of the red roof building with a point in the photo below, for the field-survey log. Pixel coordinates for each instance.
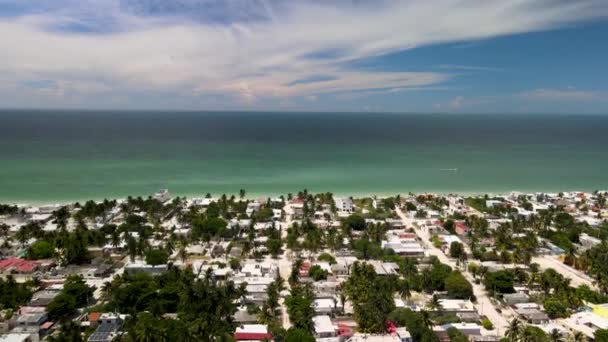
(18, 265)
(460, 228)
(252, 332)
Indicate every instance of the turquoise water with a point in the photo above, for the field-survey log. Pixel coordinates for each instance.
(66, 156)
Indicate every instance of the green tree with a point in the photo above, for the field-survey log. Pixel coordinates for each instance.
(531, 333)
(415, 324)
(61, 307)
(499, 282)
(300, 307)
(372, 297)
(41, 250)
(317, 273)
(556, 308)
(69, 332)
(274, 246)
(13, 294)
(458, 286)
(298, 335)
(456, 250)
(355, 222)
(327, 258)
(76, 288)
(157, 257)
(601, 335)
(456, 336)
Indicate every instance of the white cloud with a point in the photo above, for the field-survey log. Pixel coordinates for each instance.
(261, 58)
(568, 94)
(456, 102)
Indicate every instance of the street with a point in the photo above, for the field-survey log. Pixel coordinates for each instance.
(484, 306)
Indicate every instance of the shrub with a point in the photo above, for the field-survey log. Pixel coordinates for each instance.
(487, 324)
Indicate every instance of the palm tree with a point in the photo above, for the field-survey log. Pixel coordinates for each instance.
(405, 289)
(342, 300)
(514, 331)
(578, 337)
(4, 228)
(242, 193)
(426, 319)
(145, 327)
(115, 238)
(555, 336)
(434, 303)
(265, 315)
(183, 254)
(106, 289)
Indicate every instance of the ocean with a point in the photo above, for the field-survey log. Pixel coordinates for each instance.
(61, 156)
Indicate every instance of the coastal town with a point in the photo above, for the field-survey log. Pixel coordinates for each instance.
(307, 267)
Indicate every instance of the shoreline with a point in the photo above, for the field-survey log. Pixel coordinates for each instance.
(256, 195)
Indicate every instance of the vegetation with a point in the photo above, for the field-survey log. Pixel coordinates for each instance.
(76, 293)
(487, 324)
(13, 294)
(458, 287)
(317, 273)
(499, 282)
(327, 258)
(157, 257)
(299, 335)
(371, 296)
(300, 307)
(418, 324)
(204, 307)
(601, 335)
(40, 250)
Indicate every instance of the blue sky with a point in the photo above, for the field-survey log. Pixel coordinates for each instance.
(481, 56)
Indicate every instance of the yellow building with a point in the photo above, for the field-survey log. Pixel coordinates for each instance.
(601, 310)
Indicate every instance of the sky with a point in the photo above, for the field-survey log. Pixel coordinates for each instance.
(475, 56)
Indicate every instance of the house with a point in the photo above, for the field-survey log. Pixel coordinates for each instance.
(586, 322)
(162, 195)
(252, 207)
(600, 310)
(344, 205)
(324, 306)
(31, 321)
(340, 268)
(460, 228)
(465, 328)
(396, 223)
(403, 247)
(324, 329)
(18, 265)
(515, 298)
(468, 316)
(43, 298)
(252, 332)
(19, 337)
(404, 335)
(242, 316)
(533, 316)
(108, 328)
(384, 268)
(588, 241)
(139, 267)
(325, 288)
(296, 208)
(401, 335)
(456, 305)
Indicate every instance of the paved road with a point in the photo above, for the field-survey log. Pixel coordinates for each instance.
(484, 306)
(577, 278)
